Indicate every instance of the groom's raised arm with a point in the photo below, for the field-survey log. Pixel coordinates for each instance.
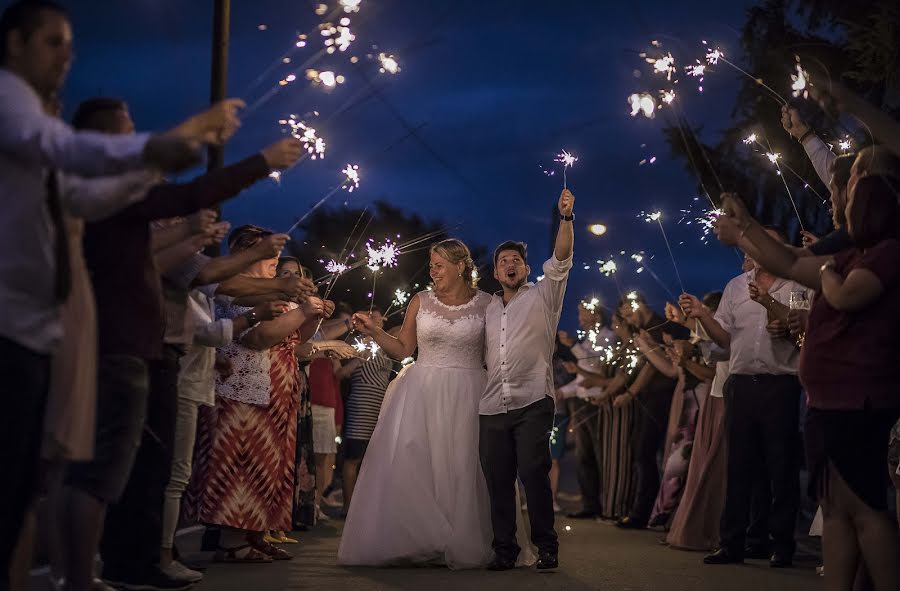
(565, 238)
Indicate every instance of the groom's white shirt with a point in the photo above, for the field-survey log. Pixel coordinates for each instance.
(519, 341)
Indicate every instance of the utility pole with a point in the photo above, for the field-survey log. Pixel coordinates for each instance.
(218, 86)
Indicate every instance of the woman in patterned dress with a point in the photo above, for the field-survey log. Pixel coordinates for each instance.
(244, 476)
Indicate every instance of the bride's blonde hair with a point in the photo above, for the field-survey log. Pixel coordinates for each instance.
(456, 252)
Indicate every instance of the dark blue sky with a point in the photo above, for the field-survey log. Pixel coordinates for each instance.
(501, 86)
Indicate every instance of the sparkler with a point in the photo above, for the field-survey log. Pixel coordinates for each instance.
(800, 81)
(335, 267)
(642, 103)
(350, 5)
(664, 65)
(567, 160)
(845, 145)
(657, 217)
(314, 145)
(714, 55)
(327, 79)
(775, 158)
(608, 268)
(382, 256)
(641, 259)
(667, 96)
(591, 305)
(388, 63)
(337, 38)
(352, 173)
(632, 298)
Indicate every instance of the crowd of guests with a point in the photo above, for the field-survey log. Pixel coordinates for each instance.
(151, 384)
(691, 423)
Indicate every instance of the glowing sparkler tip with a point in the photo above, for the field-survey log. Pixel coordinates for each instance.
(351, 171)
(845, 145)
(712, 57)
(668, 96)
(566, 158)
(388, 64)
(750, 139)
(383, 256)
(350, 5)
(642, 103)
(800, 81)
(590, 305)
(773, 157)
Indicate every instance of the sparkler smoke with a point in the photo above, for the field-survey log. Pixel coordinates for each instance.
(567, 160)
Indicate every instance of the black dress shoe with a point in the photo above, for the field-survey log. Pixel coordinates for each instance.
(547, 561)
(629, 523)
(757, 553)
(583, 515)
(781, 561)
(723, 556)
(501, 564)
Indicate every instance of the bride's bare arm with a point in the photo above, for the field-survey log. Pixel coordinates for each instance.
(397, 347)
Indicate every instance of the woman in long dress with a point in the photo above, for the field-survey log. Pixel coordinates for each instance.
(421, 497)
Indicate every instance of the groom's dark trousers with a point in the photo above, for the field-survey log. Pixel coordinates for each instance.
(511, 443)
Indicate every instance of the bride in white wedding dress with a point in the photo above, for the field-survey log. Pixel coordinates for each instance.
(421, 497)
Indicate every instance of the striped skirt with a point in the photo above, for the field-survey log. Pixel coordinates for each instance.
(244, 459)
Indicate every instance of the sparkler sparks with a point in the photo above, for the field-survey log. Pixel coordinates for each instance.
(335, 267)
(845, 145)
(314, 145)
(337, 38)
(590, 305)
(712, 57)
(328, 79)
(664, 65)
(608, 268)
(352, 180)
(750, 139)
(350, 5)
(668, 96)
(383, 256)
(697, 70)
(773, 157)
(388, 64)
(632, 298)
(800, 81)
(651, 217)
(567, 160)
(642, 103)
(400, 297)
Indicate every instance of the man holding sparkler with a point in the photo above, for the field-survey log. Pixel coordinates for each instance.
(517, 405)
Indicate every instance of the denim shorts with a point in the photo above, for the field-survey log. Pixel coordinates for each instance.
(122, 390)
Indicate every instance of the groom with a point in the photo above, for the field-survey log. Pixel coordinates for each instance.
(517, 405)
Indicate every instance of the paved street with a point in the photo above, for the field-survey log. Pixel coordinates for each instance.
(594, 556)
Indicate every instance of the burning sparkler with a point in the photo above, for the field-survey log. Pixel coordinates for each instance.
(335, 267)
(327, 79)
(388, 63)
(800, 81)
(642, 103)
(314, 145)
(567, 160)
(350, 5)
(352, 181)
(608, 268)
(591, 305)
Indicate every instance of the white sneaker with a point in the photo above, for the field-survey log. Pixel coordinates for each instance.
(178, 571)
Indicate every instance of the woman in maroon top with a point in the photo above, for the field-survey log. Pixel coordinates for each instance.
(849, 367)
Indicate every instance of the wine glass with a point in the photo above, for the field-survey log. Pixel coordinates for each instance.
(800, 301)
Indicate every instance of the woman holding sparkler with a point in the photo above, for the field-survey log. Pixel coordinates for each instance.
(244, 475)
(426, 498)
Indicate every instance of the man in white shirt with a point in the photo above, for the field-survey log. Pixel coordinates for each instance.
(35, 55)
(517, 405)
(762, 403)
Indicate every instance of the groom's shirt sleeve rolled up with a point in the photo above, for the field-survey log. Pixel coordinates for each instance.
(519, 339)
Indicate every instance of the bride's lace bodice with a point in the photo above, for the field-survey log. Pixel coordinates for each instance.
(451, 336)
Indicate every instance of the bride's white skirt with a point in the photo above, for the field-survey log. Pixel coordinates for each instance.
(421, 496)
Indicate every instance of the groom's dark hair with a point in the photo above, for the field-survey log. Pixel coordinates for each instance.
(519, 247)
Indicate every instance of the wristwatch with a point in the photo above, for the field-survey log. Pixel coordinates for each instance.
(251, 317)
(567, 218)
(829, 264)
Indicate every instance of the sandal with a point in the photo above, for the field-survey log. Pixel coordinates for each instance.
(269, 550)
(283, 538)
(268, 538)
(251, 556)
